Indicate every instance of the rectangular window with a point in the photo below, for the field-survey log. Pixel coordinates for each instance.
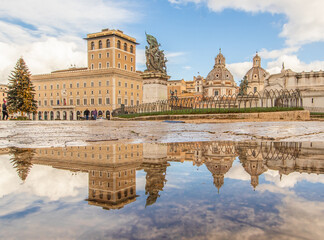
(99, 91)
(78, 85)
(119, 84)
(51, 87)
(137, 87)
(57, 86)
(64, 85)
(137, 102)
(92, 84)
(107, 83)
(85, 102)
(45, 102)
(125, 84)
(99, 101)
(119, 100)
(92, 101)
(255, 89)
(71, 85)
(38, 87)
(132, 102)
(84, 84)
(45, 87)
(52, 102)
(107, 91)
(107, 54)
(71, 101)
(107, 101)
(99, 83)
(132, 86)
(58, 102)
(125, 101)
(39, 103)
(78, 102)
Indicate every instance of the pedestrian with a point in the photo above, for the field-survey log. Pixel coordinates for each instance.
(86, 113)
(4, 110)
(95, 113)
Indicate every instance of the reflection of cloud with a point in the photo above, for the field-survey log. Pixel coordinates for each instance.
(42, 181)
(238, 172)
(292, 179)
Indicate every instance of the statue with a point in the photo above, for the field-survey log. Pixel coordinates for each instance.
(155, 60)
(244, 85)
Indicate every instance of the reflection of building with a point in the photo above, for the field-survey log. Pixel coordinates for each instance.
(112, 168)
(109, 80)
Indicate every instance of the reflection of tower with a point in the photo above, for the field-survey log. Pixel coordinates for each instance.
(252, 161)
(22, 161)
(219, 157)
(155, 165)
(112, 187)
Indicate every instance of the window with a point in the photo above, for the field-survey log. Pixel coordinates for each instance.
(125, 67)
(108, 43)
(57, 86)
(91, 56)
(255, 89)
(107, 54)
(99, 91)
(132, 102)
(78, 102)
(137, 102)
(119, 100)
(78, 85)
(107, 101)
(107, 64)
(92, 66)
(119, 84)
(100, 44)
(131, 59)
(131, 49)
(125, 46)
(51, 87)
(52, 102)
(118, 55)
(99, 84)
(58, 102)
(107, 91)
(92, 101)
(125, 57)
(99, 101)
(91, 92)
(45, 87)
(92, 46)
(64, 85)
(118, 65)
(99, 65)
(85, 102)
(132, 86)
(85, 92)
(84, 84)
(45, 102)
(107, 83)
(216, 92)
(125, 101)
(71, 85)
(118, 44)
(78, 93)
(137, 87)
(71, 101)
(99, 55)
(132, 68)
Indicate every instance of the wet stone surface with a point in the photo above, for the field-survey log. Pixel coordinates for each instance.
(168, 190)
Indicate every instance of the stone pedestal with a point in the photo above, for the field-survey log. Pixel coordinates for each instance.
(154, 87)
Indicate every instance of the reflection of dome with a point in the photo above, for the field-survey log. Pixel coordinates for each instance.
(220, 72)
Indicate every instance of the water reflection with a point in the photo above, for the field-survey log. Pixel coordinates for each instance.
(112, 168)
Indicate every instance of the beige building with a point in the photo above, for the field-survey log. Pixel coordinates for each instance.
(109, 81)
(219, 82)
(310, 84)
(256, 76)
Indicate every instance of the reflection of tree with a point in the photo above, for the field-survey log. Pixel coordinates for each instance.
(155, 180)
(22, 161)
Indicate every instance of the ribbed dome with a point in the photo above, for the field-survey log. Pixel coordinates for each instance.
(256, 73)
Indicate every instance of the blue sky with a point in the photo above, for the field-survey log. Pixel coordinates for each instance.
(49, 35)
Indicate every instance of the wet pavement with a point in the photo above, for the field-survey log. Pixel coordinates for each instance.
(173, 189)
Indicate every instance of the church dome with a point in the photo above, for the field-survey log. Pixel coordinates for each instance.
(256, 73)
(220, 72)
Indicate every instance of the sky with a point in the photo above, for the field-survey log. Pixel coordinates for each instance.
(49, 34)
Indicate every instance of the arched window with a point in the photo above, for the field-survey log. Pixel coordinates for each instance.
(125, 46)
(108, 43)
(131, 49)
(100, 44)
(118, 44)
(92, 46)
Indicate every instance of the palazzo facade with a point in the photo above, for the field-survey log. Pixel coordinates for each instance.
(109, 81)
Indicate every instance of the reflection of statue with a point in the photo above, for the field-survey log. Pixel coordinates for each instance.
(244, 85)
(155, 60)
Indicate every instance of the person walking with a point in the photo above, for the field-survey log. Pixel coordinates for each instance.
(4, 110)
(86, 113)
(95, 113)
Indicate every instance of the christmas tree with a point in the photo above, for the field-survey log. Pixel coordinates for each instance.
(20, 90)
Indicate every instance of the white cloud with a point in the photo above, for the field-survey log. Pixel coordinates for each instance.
(49, 34)
(187, 67)
(305, 19)
(239, 69)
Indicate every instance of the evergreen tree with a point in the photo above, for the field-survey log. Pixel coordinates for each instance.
(21, 91)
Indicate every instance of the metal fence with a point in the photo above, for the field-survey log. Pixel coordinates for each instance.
(271, 98)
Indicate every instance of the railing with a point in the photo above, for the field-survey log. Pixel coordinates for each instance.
(265, 99)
